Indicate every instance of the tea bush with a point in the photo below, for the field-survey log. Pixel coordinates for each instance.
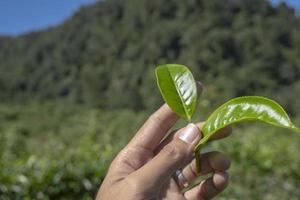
(58, 151)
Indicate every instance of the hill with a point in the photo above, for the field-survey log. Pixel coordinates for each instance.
(104, 55)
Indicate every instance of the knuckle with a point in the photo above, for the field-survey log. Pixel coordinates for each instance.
(118, 159)
(158, 121)
(174, 152)
(155, 119)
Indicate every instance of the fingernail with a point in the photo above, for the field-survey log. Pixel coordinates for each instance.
(189, 134)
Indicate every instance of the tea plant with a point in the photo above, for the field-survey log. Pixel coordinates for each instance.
(178, 88)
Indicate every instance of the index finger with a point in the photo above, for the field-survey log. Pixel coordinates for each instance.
(155, 128)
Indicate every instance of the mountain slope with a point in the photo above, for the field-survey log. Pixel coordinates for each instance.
(105, 54)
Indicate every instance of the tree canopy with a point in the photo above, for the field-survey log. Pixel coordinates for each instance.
(105, 54)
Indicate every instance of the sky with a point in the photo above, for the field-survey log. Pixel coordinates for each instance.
(293, 3)
(21, 16)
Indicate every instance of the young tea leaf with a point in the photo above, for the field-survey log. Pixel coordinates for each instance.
(178, 88)
(245, 109)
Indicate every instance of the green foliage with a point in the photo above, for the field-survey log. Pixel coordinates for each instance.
(267, 167)
(58, 151)
(105, 54)
(178, 88)
(53, 151)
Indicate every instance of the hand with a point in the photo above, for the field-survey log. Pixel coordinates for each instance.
(144, 169)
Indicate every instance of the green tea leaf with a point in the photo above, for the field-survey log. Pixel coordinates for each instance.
(178, 88)
(245, 109)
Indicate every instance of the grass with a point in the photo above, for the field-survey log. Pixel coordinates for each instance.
(58, 151)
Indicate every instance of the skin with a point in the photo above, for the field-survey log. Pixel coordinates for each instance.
(144, 169)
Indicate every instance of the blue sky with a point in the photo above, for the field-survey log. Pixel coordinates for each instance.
(294, 3)
(21, 16)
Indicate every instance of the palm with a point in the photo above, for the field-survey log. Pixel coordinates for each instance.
(169, 191)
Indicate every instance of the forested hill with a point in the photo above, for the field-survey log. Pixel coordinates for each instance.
(105, 54)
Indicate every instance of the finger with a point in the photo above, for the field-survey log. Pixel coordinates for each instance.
(154, 129)
(210, 162)
(209, 188)
(222, 133)
(172, 157)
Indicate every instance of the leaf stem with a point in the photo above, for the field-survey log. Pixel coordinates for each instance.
(198, 160)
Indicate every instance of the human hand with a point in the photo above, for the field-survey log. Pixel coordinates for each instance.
(145, 168)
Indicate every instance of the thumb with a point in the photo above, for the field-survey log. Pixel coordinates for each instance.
(173, 156)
